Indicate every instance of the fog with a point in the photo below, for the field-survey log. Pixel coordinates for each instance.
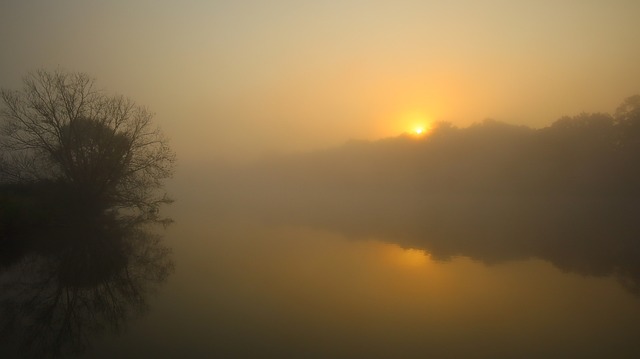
(319, 179)
(235, 81)
(492, 191)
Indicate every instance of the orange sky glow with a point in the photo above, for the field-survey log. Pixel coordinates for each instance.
(238, 80)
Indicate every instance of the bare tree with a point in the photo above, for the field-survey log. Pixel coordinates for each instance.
(59, 127)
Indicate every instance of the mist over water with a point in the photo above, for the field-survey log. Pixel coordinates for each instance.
(465, 242)
(469, 242)
(314, 179)
(493, 192)
(488, 241)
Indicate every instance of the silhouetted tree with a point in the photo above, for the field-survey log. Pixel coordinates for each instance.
(627, 117)
(103, 148)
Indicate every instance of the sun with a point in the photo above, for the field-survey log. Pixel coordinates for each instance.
(421, 129)
(417, 124)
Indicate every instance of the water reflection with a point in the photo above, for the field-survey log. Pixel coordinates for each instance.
(248, 290)
(574, 234)
(97, 276)
(493, 192)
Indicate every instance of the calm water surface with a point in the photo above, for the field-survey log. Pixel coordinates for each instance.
(246, 288)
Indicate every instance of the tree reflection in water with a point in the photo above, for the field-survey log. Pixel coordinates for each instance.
(54, 300)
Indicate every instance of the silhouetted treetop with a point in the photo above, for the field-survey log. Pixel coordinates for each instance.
(60, 127)
(627, 118)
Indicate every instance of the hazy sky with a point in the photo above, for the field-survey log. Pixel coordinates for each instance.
(237, 79)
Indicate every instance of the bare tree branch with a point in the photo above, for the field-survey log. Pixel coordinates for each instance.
(59, 127)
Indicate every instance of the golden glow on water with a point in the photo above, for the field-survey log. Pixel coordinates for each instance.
(414, 257)
(405, 257)
(269, 282)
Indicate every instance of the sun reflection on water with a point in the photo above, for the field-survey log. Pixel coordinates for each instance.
(406, 257)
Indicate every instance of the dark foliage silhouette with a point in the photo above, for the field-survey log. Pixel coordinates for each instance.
(54, 300)
(60, 128)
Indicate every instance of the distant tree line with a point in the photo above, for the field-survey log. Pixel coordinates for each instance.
(588, 155)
